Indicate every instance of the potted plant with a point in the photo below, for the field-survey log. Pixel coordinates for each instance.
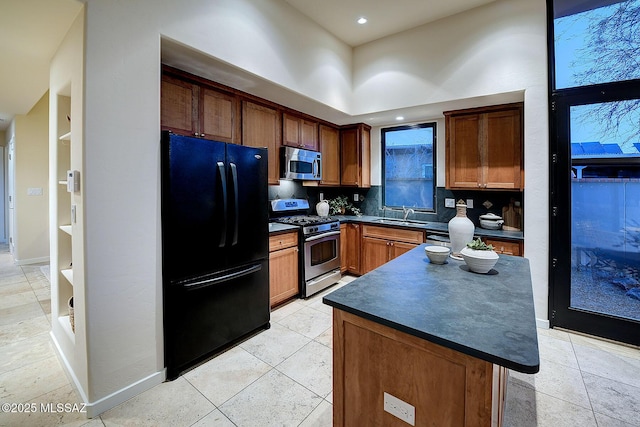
(479, 257)
(340, 205)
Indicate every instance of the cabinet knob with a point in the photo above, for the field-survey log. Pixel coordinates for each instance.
(195, 134)
(202, 134)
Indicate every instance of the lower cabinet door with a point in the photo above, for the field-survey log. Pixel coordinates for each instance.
(398, 248)
(283, 275)
(375, 252)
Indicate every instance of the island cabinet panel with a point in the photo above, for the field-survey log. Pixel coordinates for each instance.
(382, 244)
(355, 156)
(484, 148)
(446, 388)
(261, 128)
(329, 142)
(299, 132)
(283, 267)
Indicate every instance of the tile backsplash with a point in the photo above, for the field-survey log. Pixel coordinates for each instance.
(370, 200)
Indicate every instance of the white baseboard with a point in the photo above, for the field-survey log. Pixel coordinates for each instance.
(542, 323)
(114, 399)
(31, 260)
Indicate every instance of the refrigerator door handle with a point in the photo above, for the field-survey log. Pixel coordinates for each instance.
(234, 177)
(223, 181)
(223, 278)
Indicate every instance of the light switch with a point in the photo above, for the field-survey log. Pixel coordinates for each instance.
(469, 203)
(449, 203)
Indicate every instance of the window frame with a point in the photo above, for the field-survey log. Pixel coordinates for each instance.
(383, 134)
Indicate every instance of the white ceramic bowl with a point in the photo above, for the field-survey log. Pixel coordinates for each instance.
(437, 254)
(479, 261)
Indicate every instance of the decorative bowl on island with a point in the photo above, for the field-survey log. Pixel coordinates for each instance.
(479, 257)
(437, 254)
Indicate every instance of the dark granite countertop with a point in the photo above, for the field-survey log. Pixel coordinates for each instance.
(436, 227)
(488, 316)
(277, 228)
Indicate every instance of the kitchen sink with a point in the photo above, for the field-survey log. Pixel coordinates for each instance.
(400, 221)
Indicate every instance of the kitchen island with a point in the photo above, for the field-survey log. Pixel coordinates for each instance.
(437, 337)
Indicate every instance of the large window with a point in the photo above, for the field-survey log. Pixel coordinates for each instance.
(408, 166)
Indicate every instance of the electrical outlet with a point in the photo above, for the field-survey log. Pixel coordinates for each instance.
(356, 197)
(469, 203)
(321, 196)
(400, 409)
(449, 203)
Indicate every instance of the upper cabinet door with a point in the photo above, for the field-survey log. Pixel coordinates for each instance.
(300, 133)
(355, 156)
(503, 150)
(329, 142)
(177, 106)
(220, 116)
(463, 168)
(261, 128)
(484, 148)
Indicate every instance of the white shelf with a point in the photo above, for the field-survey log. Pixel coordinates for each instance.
(68, 274)
(66, 229)
(65, 322)
(65, 137)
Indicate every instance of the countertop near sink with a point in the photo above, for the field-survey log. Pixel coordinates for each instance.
(438, 227)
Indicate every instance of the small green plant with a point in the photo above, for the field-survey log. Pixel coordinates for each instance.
(479, 245)
(340, 205)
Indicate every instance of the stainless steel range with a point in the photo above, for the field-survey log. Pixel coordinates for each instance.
(319, 244)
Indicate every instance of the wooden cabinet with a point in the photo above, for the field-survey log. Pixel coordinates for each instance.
(329, 144)
(507, 247)
(446, 387)
(355, 156)
(299, 132)
(350, 239)
(484, 148)
(190, 108)
(261, 128)
(283, 267)
(219, 116)
(176, 106)
(382, 244)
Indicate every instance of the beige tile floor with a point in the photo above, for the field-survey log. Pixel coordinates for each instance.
(282, 376)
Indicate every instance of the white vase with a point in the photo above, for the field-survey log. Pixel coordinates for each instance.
(461, 230)
(322, 208)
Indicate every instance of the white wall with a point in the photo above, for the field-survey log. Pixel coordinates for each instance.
(493, 49)
(31, 171)
(121, 149)
(269, 39)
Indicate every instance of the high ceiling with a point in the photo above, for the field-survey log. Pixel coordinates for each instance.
(384, 17)
(32, 30)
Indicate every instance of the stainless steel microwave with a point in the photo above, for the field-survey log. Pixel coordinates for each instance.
(297, 163)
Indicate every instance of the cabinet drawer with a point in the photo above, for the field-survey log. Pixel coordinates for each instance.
(506, 247)
(398, 234)
(281, 241)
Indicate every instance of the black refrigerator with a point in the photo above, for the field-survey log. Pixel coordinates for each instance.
(215, 247)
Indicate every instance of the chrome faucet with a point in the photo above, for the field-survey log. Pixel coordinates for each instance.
(407, 212)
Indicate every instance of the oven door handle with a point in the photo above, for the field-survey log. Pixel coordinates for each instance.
(321, 236)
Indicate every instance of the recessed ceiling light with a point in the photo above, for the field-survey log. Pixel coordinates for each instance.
(400, 118)
(362, 20)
